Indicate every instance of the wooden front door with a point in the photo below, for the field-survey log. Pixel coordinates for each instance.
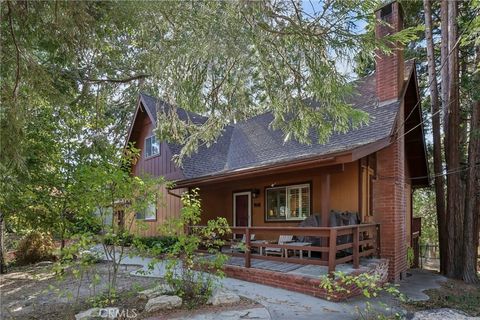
(242, 209)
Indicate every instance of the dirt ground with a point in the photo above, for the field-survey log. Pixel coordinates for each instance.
(453, 294)
(34, 292)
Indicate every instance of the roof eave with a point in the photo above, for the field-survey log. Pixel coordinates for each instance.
(336, 158)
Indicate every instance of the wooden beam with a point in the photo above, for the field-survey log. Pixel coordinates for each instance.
(330, 165)
(332, 254)
(356, 248)
(325, 199)
(247, 248)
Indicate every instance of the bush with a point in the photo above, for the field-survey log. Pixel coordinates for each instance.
(124, 239)
(158, 245)
(184, 264)
(34, 247)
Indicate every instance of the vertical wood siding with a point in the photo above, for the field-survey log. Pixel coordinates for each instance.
(168, 206)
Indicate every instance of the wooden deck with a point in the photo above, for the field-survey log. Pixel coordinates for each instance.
(308, 270)
(265, 264)
(329, 248)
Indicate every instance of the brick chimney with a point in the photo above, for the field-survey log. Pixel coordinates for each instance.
(389, 69)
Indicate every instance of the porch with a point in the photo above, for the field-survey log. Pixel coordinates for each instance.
(326, 247)
(312, 252)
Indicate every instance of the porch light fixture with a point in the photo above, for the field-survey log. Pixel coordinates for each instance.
(255, 193)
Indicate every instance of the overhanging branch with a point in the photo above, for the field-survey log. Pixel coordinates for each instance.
(124, 80)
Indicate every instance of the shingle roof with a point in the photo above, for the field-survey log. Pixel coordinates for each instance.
(252, 143)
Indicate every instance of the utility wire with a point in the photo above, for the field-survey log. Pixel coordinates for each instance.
(431, 80)
(453, 171)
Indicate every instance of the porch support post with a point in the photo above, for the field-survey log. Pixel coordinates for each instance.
(356, 247)
(247, 247)
(332, 250)
(325, 198)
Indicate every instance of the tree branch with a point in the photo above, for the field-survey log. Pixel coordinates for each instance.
(17, 51)
(124, 80)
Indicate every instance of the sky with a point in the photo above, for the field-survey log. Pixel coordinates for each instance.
(312, 6)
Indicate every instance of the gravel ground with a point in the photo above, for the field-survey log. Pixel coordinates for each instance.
(35, 292)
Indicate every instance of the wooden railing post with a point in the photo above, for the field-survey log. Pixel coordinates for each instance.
(247, 247)
(332, 250)
(356, 245)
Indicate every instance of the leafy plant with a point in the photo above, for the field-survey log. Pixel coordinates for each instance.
(410, 257)
(155, 245)
(185, 266)
(370, 287)
(34, 247)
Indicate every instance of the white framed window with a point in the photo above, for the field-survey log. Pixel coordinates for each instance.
(149, 213)
(287, 203)
(152, 146)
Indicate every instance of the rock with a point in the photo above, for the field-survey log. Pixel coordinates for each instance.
(441, 314)
(98, 313)
(222, 296)
(162, 303)
(160, 290)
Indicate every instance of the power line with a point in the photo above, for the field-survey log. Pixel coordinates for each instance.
(446, 173)
(431, 80)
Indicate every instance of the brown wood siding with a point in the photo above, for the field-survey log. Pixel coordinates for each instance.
(344, 189)
(159, 165)
(217, 199)
(168, 206)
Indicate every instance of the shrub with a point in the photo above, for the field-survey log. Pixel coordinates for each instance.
(371, 288)
(34, 247)
(123, 239)
(156, 245)
(184, 263)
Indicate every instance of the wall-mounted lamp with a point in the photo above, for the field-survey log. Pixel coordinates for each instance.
(255, 193)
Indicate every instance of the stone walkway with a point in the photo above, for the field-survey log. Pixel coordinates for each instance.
(419, 281)
(254, 313)
(288, 305)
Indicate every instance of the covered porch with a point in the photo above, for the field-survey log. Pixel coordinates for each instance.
(326, 247)
(281, 202)
(301, 263)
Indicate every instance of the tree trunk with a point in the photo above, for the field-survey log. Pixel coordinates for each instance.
(444, 57)
(3, 260)
(436, 132)
(448, 250)
(472, 193)
(452, 157)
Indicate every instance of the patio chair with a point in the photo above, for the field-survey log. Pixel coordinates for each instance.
(281, 240)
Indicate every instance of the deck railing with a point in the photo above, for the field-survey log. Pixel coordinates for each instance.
(335, 245)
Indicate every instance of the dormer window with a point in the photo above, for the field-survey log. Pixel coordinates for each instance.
(152, 146)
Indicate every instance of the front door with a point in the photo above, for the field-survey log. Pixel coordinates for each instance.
(242, 209)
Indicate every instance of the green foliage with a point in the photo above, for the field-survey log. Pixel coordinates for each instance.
(410, 257)
(34, 247)
(424, 207)
(236, 59)
(370, 287)
(155, 245)
(184, 262)
(122, 238)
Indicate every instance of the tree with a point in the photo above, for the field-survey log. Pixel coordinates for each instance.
(71, 75)
(68, 83)
(458, 73)
(231, 60)
(436, 133)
